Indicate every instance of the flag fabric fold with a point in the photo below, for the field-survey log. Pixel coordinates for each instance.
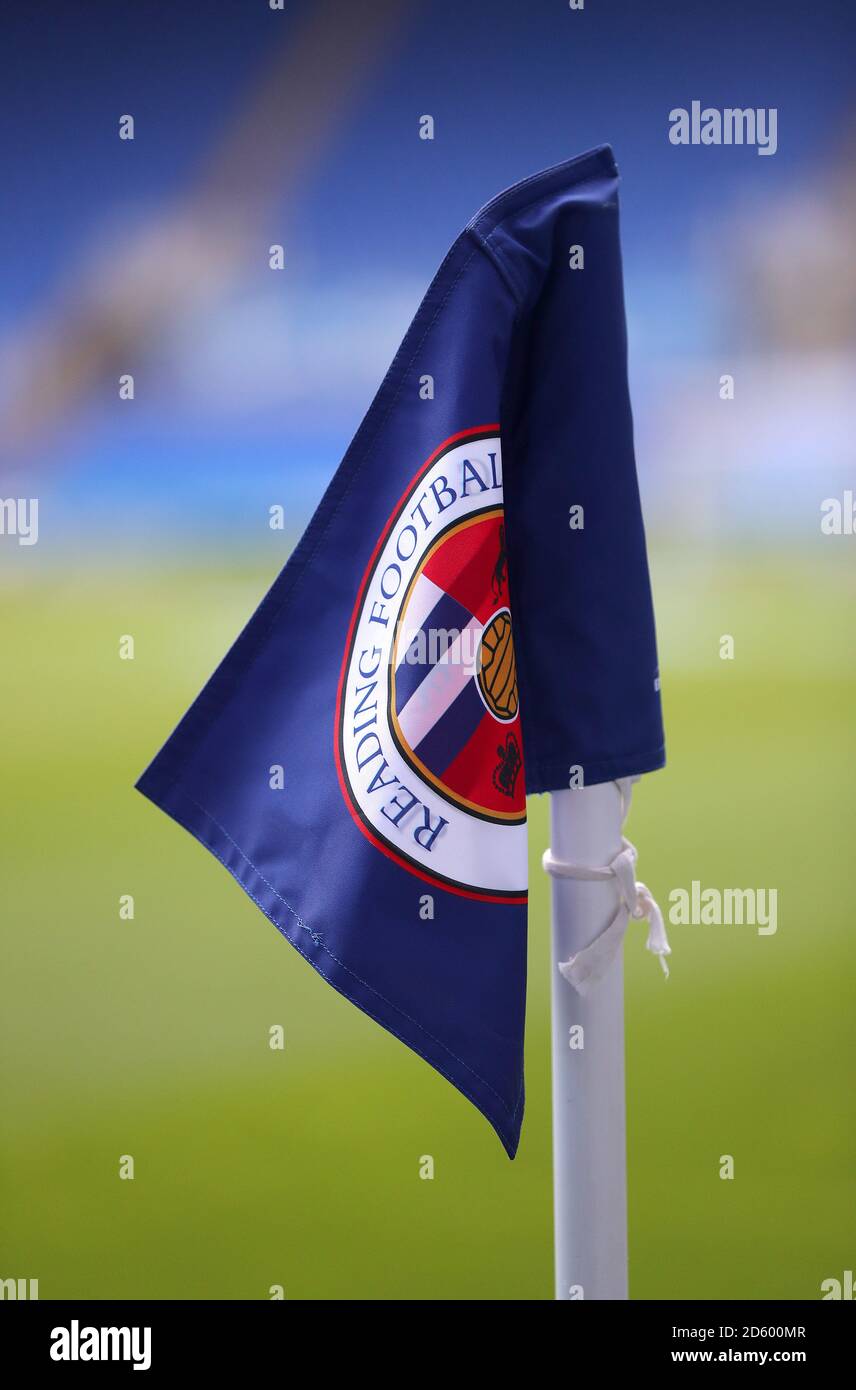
(466, 619)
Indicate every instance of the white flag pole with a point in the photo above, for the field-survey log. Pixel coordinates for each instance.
(589, 1157)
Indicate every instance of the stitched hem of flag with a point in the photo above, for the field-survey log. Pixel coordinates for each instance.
(171, 798)
(566, 174)
(555, 776)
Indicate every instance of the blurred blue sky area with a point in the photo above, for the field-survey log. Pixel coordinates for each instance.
(256, 126)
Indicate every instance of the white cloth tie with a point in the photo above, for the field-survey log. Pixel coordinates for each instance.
(584, 969)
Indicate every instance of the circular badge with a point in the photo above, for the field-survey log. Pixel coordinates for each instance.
(428, 741)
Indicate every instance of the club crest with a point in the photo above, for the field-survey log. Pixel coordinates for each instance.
(428, 740)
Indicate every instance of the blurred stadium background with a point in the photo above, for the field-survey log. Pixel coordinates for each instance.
(149, 1037)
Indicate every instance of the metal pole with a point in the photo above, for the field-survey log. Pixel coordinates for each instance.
(589, 1158)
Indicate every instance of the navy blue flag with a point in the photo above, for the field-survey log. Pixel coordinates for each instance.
(466, 619)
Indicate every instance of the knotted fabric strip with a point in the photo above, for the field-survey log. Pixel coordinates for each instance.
(586, 967)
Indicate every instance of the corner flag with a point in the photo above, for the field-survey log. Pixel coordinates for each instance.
(466, 619)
